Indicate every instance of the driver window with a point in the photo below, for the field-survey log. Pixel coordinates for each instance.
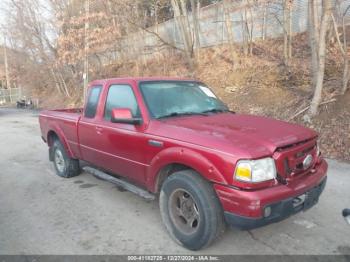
(121, 96)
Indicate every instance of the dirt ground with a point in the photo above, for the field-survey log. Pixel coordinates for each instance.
(41, 213)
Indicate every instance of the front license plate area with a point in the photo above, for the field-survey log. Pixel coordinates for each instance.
(299, 201)
(311, 198)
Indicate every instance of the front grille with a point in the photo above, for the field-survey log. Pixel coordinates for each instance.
(289, 159)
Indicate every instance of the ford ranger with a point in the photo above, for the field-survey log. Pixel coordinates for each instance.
(175, 139)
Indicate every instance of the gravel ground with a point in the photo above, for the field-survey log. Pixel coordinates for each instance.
(41, 213)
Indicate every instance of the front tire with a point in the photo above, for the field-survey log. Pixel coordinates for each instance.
(191, 210)
(64, 165)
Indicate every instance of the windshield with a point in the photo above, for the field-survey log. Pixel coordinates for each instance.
(176, 98)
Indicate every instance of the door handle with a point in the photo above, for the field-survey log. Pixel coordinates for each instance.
(99, 130)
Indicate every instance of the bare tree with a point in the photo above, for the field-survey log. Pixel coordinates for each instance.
(313, 29)
(31, 31)
(287, 30)
(195, 8)
(321, 48)
(264, 21)
(343, 47)
(247, 24)
(181, 18)
(7, 75)
(229, 29)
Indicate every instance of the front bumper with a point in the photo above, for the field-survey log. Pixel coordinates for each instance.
(245, 209)
(279, 210)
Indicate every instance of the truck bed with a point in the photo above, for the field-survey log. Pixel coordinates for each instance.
(66, 122)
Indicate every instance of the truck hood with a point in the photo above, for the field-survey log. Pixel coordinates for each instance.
(241, 135)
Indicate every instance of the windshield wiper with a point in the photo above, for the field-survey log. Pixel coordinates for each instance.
(216, 110)
(174, 114)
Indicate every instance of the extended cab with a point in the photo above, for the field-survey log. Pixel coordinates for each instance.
(209, 165)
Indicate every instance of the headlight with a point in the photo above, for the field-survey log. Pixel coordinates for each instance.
(255, 170)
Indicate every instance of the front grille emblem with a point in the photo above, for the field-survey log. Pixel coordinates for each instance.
(307, 161)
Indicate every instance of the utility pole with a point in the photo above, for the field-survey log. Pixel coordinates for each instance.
(8, 85)
(86, 47)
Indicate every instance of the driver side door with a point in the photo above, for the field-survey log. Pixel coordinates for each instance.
(120, 143)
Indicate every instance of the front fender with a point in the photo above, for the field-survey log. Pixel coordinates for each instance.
(184, 156)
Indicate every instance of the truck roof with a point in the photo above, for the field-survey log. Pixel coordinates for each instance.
(140, 79)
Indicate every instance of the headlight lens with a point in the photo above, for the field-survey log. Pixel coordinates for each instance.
(255, 170)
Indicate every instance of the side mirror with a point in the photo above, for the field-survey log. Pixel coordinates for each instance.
(124, 116)
(346, 215)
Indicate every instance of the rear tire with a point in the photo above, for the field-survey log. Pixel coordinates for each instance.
(64, 165)
(191, 210)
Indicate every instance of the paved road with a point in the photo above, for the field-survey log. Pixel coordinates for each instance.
(41, 213)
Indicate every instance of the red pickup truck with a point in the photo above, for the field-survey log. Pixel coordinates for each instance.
(174, 138)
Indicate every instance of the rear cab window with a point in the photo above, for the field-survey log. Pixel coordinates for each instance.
(92, 101)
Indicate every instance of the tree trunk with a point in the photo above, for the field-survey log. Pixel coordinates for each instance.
(57, 85)
(244, 32)
(313, 39)
(290, 29)
(195, 12)
(287, 31)
(115, 26)
(316, 100)
(180, 21)
(346, 59)
(263, 28)
(343, 48)
(157, 29)
(345, 75)
(65, 88)
(229, 30)
(251, 30)
(7, 75)
(86, 48)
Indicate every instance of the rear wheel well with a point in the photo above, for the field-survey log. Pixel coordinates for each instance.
(167, 171)
(51, 137)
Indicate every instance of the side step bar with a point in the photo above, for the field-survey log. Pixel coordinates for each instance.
(122, 183)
